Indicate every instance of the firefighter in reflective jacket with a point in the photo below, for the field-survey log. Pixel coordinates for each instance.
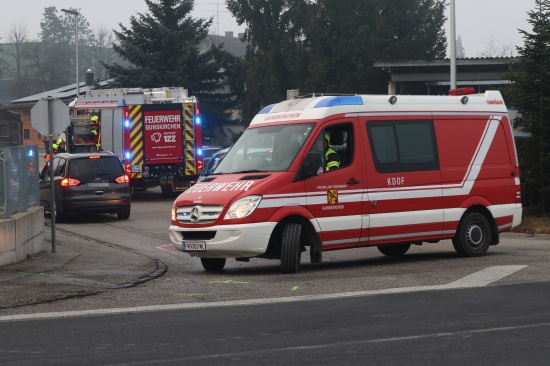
(95, 131)
(59, 146)
(331, 156)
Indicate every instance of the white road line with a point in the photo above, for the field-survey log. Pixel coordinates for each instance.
(478, 279)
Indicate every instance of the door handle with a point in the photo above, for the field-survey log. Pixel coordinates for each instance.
(353, 181)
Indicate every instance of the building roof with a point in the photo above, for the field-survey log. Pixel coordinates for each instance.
(433, 76)
(65, 93)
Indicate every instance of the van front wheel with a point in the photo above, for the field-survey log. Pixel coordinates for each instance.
(473, 236)
(291, 249)
(213, 264)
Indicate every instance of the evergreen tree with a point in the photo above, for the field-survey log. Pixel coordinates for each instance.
(53, 59)
(329, 46)
(460, 53)
(162, 48)
(530, 94)
(272, 36)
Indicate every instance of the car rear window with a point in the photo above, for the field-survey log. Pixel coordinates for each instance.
(89, 169)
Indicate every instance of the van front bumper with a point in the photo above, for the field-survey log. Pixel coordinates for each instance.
(229, 241)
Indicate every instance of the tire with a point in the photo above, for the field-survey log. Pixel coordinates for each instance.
(394, 250)
(473, 235)
(291, 249)
(213, 264)
(167, 191)
(124, 215)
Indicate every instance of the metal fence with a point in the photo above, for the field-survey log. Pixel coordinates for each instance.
(19, 186)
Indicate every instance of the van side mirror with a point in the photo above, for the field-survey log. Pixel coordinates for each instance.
(314, 163)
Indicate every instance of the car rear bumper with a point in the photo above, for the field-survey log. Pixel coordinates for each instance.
(110, 204)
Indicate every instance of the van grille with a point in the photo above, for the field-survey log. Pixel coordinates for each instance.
(198, 214)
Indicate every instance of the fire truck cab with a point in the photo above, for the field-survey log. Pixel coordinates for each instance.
(408, 170)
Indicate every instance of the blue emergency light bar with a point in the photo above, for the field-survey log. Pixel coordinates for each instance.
(266, 110)
(342, 100)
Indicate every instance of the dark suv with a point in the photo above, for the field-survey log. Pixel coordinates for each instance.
(86, 183)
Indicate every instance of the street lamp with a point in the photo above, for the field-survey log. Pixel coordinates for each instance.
(75, 13)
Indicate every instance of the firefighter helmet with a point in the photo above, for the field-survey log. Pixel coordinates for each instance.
(94, 119)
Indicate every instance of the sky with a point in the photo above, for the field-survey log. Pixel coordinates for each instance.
(478, 22)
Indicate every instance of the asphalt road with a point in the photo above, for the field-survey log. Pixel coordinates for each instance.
(502, 325)
(357, 307)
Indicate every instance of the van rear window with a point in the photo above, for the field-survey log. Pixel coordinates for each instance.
(86, 169)
(403, 146)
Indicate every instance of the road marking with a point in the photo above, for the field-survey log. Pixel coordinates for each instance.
(478, 279)
(169, 248)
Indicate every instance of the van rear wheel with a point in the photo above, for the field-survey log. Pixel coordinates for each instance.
(213, 264)
(394, 250)
(291, 249)
(473, 236)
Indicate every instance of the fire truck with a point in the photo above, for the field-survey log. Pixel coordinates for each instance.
(155, 132)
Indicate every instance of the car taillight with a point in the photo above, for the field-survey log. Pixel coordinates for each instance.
(122, 179)
(69, 182)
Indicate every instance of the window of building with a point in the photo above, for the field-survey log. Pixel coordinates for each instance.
(4, 130)
(27, 134)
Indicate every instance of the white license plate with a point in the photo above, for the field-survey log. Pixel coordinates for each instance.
(193, 246)
(98, 185)
(136, 168)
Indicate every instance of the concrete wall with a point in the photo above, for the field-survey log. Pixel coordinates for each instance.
(22, 236)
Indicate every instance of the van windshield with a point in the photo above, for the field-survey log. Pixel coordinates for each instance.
(265, 149)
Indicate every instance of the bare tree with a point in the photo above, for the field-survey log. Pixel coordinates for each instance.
(16, 63)
(103, 53)
(496, 49)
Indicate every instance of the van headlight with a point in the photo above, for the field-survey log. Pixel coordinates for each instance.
(242, 207)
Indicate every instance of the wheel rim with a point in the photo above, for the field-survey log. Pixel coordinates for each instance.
(475, 236)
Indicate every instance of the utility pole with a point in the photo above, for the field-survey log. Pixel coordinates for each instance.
(453, 46)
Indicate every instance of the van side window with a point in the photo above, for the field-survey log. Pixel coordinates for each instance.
(335, 145)
(403, 146)
(341, 140)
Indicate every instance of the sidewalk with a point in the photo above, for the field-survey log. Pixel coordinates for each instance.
(78, 268)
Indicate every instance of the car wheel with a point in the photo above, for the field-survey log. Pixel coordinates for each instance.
(394, 250)
(291, 249)
(124, 215)
(473, 235)
(213, 264)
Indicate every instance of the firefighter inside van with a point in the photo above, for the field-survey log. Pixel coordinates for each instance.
(95, 132)
(332, 159)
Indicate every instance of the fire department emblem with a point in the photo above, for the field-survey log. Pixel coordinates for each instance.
(332, 196)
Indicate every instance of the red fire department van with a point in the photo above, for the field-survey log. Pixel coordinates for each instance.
(411, 170)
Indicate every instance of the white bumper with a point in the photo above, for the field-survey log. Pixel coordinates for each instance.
(230, 241)
(518, 214)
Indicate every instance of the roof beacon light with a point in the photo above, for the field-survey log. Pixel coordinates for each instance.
(462, 91)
